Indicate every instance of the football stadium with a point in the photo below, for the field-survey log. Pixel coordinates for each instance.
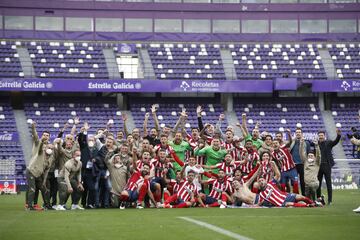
(179, 119)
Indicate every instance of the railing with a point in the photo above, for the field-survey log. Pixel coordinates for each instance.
(228, 1)
(143, 71)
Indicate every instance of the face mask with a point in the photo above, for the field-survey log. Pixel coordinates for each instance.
(91, 143)
(310, 160)
(49, 151)
(118, 165)
(77, 158)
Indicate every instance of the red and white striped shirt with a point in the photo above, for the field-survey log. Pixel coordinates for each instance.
(234, 153)
(167, 148)
(140, 164)
(193, 144)
(228, 169)
(266, 171)
(136, 181)
(159, 167)
(284, 157)
(272, 195)
(219, 187)
(173, 186)
(186, 190)
(208, 139)
(249, 165)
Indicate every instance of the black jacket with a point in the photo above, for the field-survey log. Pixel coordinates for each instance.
(100, 158)
(326, 150)
(87, 153)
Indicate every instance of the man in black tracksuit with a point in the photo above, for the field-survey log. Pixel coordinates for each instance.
(327, 161)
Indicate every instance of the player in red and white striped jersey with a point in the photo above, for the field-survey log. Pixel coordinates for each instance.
(228, 166)
(164, 144)
(173, 185)
(194, 141)
(145, 159)
(221, 190)
(271, 194)
(193, 138)
(229, 144)
(161, 164)
(251, 155)
(186, 196)
(137, 187)
(161, 167)
(266, 170)
(282, 155)
(239, 149)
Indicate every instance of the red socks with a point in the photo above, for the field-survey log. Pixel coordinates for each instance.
(300, 205)
(283, 187)
(215, 204)
(181, 205)
(170, 199)
(307, 200)
(224, 198)
(142, 192)
(296, 187)
(166, 196)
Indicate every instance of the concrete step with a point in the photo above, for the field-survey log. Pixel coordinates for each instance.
(228, 64)
(25, 61)
(111, 64)
(24, 134)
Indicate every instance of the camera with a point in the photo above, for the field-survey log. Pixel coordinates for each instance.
(354, 134)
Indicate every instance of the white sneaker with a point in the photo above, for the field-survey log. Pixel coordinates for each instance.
(76, 207)
(222, 206)
(54, 207)
(139, 207)
(60, 208)
(318, 204)
(357, 210)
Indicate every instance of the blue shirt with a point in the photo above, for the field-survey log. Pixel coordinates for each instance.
(295, 151)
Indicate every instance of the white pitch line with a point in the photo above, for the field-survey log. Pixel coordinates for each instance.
(215, 229)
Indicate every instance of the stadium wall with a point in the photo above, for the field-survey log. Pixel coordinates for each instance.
(180, 11)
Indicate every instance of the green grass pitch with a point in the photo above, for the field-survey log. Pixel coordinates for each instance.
(337, 221)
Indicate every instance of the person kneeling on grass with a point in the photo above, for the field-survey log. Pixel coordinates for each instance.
(69, 182)
(311, 163)
(187, 195)
(118, 166)
(137, 187)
